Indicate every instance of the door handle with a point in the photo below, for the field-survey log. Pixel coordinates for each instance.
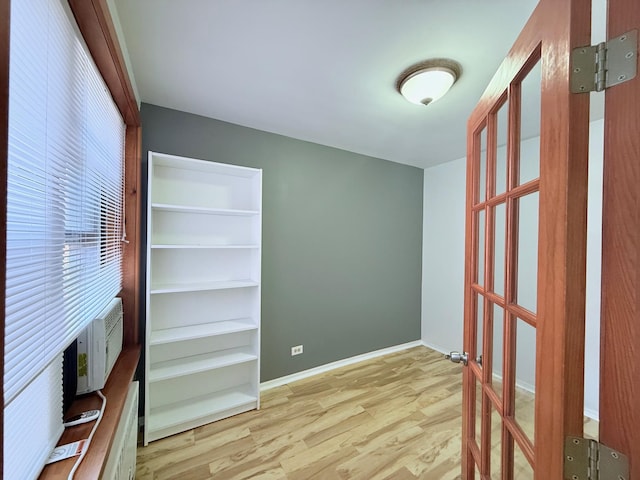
(457, 357)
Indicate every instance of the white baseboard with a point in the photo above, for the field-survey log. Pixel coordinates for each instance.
(437, 348)
(526, 386)
(277, 382)
(588, 412)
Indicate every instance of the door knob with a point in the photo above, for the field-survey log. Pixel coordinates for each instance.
(457, 357)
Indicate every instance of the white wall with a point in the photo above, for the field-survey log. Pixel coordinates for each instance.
(443, 256)
(443, 263)
(594, 257)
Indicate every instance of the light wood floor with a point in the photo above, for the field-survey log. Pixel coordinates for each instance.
(396, 417)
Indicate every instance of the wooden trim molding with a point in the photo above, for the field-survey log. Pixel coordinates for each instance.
(131, 249)
(4, 149)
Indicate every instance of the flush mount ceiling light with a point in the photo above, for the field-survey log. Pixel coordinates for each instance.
(427, 81)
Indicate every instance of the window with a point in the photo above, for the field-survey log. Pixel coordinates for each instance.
(64, 218)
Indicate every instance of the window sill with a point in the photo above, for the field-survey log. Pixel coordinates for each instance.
(116, 393)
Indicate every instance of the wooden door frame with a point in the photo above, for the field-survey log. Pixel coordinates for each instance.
(620, 321)
(562, 232)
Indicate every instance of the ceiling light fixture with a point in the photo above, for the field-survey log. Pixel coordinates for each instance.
(427, 81)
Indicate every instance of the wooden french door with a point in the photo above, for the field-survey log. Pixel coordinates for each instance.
(526, 255)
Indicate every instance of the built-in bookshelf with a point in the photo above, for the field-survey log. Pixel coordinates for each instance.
(202, 344)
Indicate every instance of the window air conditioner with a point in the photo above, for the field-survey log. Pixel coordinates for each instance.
(99, 346)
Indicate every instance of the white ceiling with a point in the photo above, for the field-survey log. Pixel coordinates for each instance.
(322, 71)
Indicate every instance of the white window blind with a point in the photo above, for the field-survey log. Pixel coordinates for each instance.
(64, 211)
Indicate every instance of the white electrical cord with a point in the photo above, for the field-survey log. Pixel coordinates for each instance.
(88, 442)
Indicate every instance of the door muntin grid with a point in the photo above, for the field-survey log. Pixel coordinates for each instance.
(508, 287)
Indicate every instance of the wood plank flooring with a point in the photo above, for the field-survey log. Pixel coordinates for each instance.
(396, 417)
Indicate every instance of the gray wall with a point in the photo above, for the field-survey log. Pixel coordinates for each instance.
(342, 238)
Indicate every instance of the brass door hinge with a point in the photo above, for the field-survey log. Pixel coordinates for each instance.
(589, 460)
(596, 67)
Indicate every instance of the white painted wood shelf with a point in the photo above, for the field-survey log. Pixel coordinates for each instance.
(202, 210)
(200, 286)
(200, 407)
(202, 349)
(192, 332)
(203, 246)
(199, 363)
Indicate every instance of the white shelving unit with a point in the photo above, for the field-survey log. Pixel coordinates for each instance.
(203, 293)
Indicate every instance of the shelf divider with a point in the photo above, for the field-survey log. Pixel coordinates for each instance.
(192, 332)
(199, 363)
(201, 286)
(199, 407)
(166, 207)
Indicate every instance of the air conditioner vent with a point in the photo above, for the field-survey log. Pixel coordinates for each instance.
(112, 315)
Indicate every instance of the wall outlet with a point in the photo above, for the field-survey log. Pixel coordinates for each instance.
(297, 350)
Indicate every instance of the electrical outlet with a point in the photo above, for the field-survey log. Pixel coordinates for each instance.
(297, 350)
